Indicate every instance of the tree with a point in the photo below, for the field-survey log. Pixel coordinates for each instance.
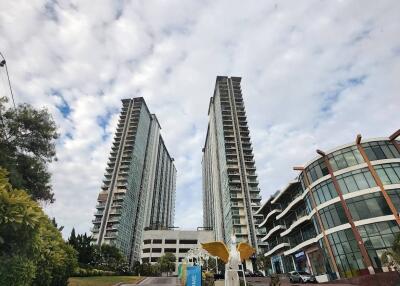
(263, 263)
(32, 251)
(83, 245)
(391, 258)
(167, 263)
(27, 144)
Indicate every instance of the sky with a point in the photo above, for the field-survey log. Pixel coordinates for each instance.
(314, 75)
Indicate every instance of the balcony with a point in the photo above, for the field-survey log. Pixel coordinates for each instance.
(300, 220)
(277, 247)
(273, 230)
(99, 213)
(270, 215)
(96, 221)
(100, 206)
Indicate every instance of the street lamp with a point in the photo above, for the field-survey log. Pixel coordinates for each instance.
(3, 63)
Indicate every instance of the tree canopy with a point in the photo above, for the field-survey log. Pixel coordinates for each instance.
(32, 251)
(27, 144)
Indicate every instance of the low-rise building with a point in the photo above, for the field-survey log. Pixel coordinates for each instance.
(340, 214)
(156, 243)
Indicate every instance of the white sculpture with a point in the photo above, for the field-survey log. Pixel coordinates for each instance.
(232, 258)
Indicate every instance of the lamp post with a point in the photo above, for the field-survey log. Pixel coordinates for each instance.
(3, 63)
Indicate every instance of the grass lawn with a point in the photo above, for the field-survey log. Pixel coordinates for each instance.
(101, 280)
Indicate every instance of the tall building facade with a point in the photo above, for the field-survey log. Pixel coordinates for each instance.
(139, 183)
(341, 213)
(231, 195)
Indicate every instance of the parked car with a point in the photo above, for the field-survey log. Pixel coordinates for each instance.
(301, 277)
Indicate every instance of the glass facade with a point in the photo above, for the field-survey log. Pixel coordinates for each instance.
(346, 252)
(324, 191)
(355, 181)
(389, 173)
(368, 206)
(363, 197)
(379, 150)
(333, 215)
(378, 237)
(344, 158)
(132, 184)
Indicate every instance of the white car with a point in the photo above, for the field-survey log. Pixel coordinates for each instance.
(301, 277)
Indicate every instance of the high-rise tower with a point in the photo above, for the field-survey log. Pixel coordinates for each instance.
(139, 183)
(230, 188)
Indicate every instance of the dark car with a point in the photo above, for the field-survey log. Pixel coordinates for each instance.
(301, 277)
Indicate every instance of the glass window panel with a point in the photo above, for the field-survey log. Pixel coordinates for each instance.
(361, 181)
(358, 156)
(351, 184)
(370, 154)
(350, 159)
(333, 164)
(388, 153)
(341, 162)
(397, 170)
(377, 242)
(343, 186)
(388, 239)
(392, 175)
(394, 150)
(370, 179)
(384, 178)
(378, 152)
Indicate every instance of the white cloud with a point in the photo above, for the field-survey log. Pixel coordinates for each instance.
(314, 75)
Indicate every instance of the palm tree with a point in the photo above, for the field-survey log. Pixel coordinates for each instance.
(391, 258)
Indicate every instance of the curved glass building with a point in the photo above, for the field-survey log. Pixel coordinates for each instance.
(340, 214)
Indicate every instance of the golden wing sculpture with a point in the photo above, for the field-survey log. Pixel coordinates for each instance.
(217, 248)
(245, 250)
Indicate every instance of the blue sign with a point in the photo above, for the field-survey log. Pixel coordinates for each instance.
(193, 276)
(299, 255)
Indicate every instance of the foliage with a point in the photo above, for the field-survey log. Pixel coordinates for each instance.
(27, 144)
(147, 269)
(167, 262)
(263, 263)
(32, 251)
(104, 257)
(391, 258)
(86, 272)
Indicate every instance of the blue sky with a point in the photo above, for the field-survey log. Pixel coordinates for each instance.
(315, 74)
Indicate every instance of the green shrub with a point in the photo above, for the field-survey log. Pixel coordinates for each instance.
(16, 270)
(33, 247)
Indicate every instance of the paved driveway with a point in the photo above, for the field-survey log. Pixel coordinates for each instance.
(158, 281)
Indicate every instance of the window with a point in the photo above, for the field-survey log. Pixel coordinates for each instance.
(333, 215)
(324, 191)
(183, 250)
(154, 259)
(377, 238)
(316, 170)
(346, 252)
(188, 241)
(145, 260)
(344, 158)
(367, 206)
(389, 173)
(170, 241)
(157, 241)
(146, 250)
(169, 250)
(380, 150)
(147, 241)
(235, 212)
(156, 250)
(394, 195)
(355, 180)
